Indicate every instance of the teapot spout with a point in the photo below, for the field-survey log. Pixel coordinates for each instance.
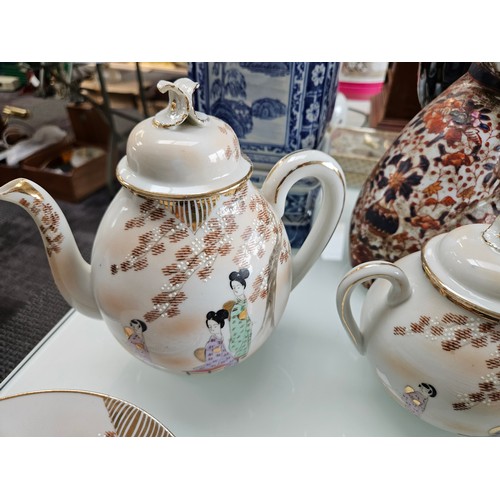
(71, 273)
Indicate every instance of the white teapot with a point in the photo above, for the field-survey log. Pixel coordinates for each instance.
(191, 267)
(430, 325)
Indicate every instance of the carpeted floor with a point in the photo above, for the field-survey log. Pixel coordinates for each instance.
(30, 303)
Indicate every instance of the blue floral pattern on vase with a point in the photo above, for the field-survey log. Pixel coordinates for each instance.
(274, 108)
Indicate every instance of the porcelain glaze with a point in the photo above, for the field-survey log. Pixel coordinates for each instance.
(435, 343)
(191, 267)
(165, 272)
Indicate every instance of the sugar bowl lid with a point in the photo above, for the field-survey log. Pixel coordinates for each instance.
(464, 265)
(181, 153)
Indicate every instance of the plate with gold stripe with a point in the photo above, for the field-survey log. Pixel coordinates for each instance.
(75, 413)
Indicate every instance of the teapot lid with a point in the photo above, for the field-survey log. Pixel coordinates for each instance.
(464, 265)
(181, 153)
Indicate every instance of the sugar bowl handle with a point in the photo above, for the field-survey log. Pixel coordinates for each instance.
(399, 292)
(289, 170)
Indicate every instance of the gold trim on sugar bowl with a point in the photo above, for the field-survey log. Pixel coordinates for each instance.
(455, 297)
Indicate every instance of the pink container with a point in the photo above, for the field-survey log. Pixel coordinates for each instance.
(362, 80)
(360, 91)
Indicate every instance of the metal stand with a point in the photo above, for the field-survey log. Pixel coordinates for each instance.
(120, 122)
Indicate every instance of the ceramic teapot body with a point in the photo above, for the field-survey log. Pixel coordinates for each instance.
(194, 286)
(435, 348)
(191, 267)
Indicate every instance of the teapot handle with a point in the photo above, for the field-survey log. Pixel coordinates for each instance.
(399, 292)
(289, 170)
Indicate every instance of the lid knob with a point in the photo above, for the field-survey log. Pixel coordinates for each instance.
(492, 234)
(180, 104)
(180, 152)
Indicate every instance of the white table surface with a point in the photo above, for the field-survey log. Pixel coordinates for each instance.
(307, 380)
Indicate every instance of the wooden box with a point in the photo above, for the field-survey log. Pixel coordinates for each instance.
(8, 173)
(398, 102)
(90, 131)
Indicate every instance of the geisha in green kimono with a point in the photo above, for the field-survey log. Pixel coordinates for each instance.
(240, 323)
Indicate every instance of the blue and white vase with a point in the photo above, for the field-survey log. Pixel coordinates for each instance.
(274, 108)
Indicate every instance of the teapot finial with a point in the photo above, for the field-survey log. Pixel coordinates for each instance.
(180, 104)
(492, 234)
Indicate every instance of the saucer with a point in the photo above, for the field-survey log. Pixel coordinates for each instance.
(74, 413)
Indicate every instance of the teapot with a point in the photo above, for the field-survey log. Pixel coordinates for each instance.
(191, 266)
(430, 326)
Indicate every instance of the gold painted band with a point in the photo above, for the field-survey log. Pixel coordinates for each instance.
(159, 429)
(454, 297)
(24, 186)
(232, 188)
(326, 164)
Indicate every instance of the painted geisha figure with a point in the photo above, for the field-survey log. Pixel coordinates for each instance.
(240, 323)
(214, 355)
(416, 401)
(135, 336)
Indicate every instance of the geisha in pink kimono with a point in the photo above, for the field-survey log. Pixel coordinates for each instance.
(214, 354)
(135, 337)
